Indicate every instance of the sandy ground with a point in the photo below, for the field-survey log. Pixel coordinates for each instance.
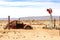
(37, 33)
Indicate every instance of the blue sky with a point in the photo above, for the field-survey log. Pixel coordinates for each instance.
(25, 8)
(34, 0)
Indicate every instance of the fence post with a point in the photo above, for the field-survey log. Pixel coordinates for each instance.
(54, 22)
(8, 20)
(59, 25)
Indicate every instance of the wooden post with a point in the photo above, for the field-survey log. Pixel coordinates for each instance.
(59, 25)
(8, 20)
(54, 22)
(59, 20)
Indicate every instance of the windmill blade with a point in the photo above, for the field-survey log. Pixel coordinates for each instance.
(49, 11)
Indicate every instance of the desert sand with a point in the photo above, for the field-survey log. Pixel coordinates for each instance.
(37, 33)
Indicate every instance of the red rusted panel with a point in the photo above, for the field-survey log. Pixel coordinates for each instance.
(49, 11)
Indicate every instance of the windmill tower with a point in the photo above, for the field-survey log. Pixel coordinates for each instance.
(51, 21)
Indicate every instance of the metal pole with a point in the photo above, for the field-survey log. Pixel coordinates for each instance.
(51, 21)
(51, 18)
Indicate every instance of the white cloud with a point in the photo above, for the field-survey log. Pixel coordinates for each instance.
(22, 3)
(27, 4)
(37, 9)
(20, 12)
(24, 12)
